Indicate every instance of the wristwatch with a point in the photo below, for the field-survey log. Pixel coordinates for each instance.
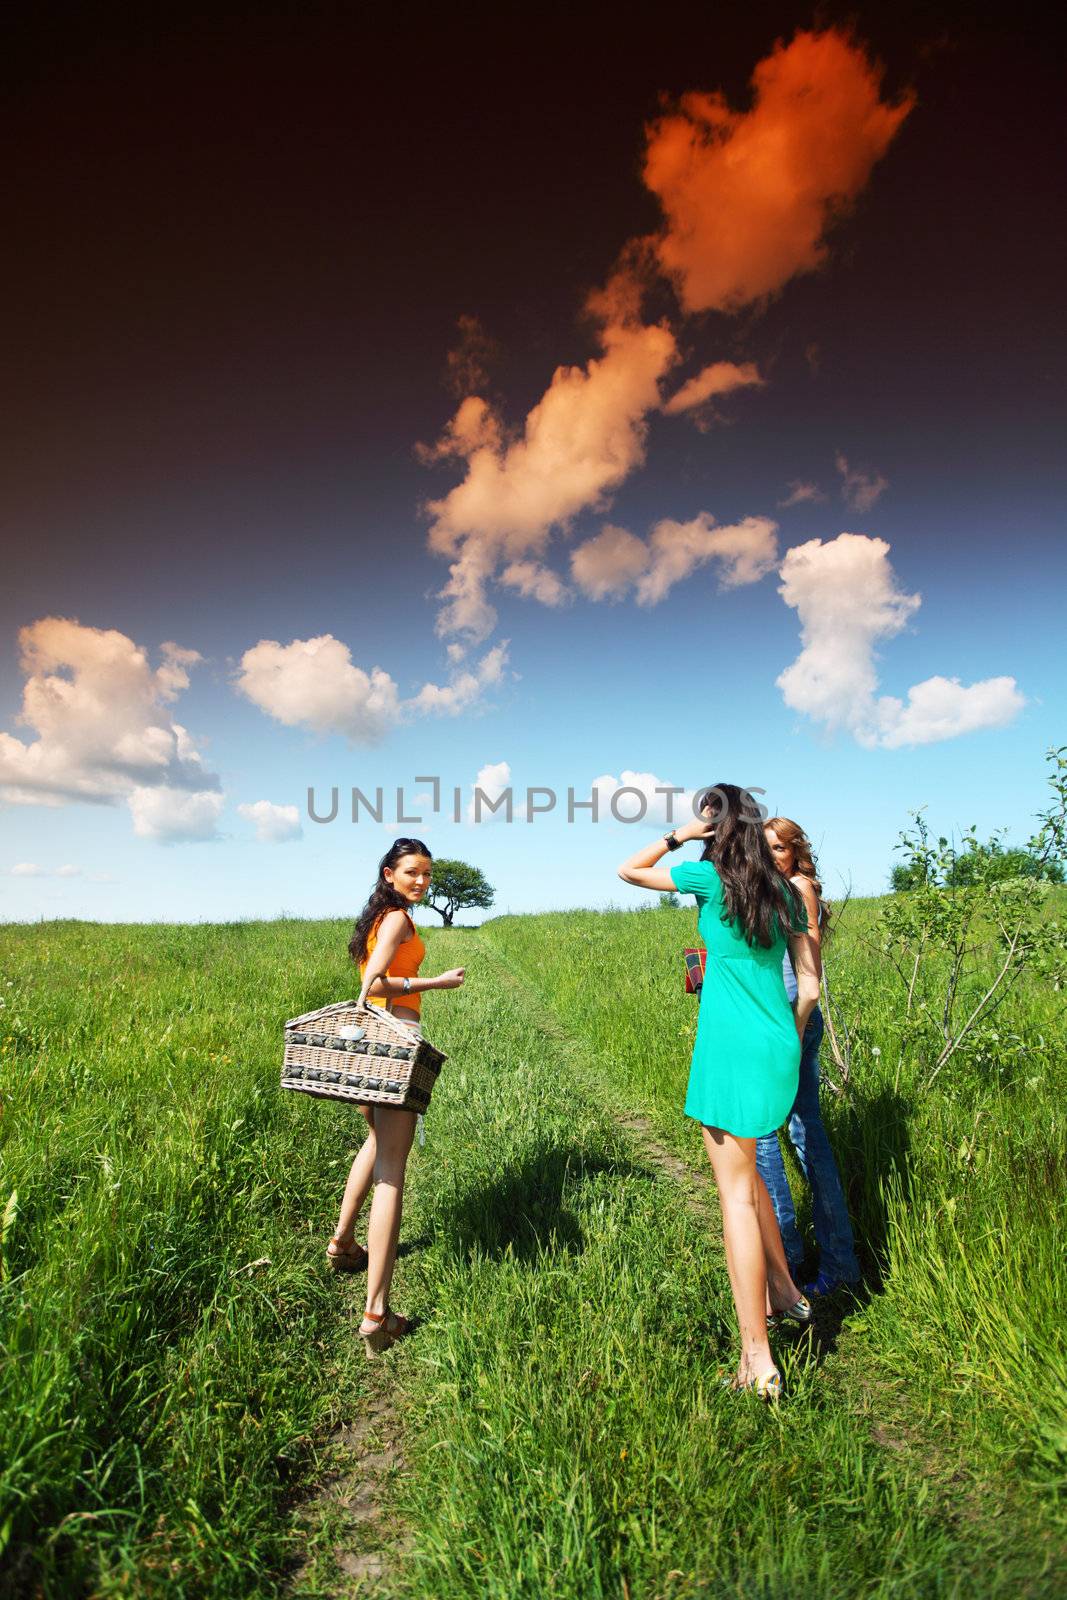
(672, 841)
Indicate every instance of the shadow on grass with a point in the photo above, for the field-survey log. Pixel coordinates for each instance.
(879, 1160)
(529, 1207)
(874, 1156)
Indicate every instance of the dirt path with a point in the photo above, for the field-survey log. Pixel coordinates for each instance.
(346, 1515)
(350, 1502)
(696, 1185)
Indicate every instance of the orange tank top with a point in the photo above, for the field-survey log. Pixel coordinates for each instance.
(405, 964)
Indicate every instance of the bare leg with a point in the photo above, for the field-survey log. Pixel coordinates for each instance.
(733, 1162)
(360, 1178)
(394, 1131)
(781, 1290)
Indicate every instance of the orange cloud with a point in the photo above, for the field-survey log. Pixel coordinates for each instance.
(748, 196)
(720, 378)
(580, 441)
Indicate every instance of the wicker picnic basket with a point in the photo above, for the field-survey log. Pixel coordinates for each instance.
(358, 1053)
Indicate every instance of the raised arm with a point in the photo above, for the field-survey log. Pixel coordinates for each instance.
(641, 870)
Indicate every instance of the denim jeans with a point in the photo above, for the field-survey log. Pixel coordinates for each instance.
(833, 1231)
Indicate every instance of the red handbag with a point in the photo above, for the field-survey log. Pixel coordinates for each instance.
(695, 961)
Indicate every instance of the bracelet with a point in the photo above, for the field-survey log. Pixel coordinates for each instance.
(407, 985)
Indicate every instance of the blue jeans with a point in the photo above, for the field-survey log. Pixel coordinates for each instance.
(833, 1231)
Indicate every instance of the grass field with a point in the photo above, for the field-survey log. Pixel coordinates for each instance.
(175, 1357)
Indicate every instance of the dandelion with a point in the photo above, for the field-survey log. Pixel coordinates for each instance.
(875, 1051)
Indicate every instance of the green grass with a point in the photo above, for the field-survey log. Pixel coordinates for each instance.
(564, 1431)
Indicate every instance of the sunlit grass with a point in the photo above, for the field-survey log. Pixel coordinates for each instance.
(565, 1430)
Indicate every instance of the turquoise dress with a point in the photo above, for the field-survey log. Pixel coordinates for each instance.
(746, 1057)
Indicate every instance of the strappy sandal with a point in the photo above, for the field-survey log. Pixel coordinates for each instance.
(346, 1257)
(768, 1387)
(391, 1327)
(800, 1312)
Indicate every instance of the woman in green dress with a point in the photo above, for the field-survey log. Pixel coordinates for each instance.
(746, 1057)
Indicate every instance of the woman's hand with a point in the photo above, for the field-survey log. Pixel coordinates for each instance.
(450, 980)
(701, 827)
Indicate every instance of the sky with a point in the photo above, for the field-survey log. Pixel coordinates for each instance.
(576, 402)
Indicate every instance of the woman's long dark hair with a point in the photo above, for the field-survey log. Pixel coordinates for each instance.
(755, 893)
(383, 897)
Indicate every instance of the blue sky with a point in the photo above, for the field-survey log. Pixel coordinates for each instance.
(222, 458)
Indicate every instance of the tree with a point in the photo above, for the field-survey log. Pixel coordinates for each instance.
(978, 862)
(962, 906)
(455, 886)
(991, 863)
(905, 877)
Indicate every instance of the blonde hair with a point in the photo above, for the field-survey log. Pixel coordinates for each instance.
(790, 833)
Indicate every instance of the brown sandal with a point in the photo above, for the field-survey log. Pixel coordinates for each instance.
(347, 1257)
(391, 1327)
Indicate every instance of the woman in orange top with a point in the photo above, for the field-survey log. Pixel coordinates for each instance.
(387, 946)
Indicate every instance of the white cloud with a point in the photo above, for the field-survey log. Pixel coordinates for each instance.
(101, 717)
(175, 816)
(467, 609)
(614, 561)
(465, 690)
(314, 683)
(492, 780)
(943, 708)
(647, 804)
(801, 493)
(860, 490)
(274, 824)
(722, 377)
(30, 869)
(846, 596)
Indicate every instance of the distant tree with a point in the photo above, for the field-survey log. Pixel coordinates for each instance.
(668, 900)
(991, 863)
(907, 876)
(986, 862)
(455, 886)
